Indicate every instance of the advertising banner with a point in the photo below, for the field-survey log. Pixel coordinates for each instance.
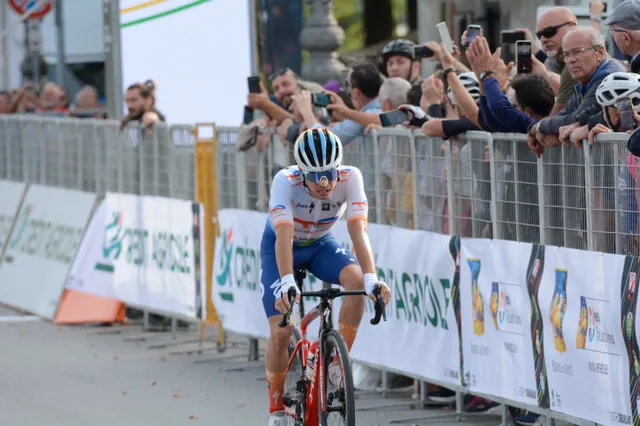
(12, 193)
(585, 354)
(42, 246)
(149, 248)
(496, 319)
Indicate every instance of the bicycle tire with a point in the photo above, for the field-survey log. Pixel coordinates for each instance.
(333, 339)
(294, 374)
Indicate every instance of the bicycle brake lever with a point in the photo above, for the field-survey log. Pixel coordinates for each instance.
(291, 295)
(379, 308)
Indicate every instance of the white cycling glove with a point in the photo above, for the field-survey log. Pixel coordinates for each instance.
(282, 286)
(370, 283)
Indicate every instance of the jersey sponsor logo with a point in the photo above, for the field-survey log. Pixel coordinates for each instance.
(326, 207)
(319, 225)
(294, 174)
(311, 207)
(302, 206)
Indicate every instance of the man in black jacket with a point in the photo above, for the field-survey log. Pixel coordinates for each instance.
(624, 27)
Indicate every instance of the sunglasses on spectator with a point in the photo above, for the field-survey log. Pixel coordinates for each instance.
(278, 73)
(317, 177)
(551, 31)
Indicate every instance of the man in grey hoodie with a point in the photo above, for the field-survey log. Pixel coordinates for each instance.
(586, 58)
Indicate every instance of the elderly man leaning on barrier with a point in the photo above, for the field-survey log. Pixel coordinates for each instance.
(586, 59)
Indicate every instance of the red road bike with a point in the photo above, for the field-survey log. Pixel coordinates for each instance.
(319, 381)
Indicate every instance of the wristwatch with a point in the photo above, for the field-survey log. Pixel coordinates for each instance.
(446, 72)
(486, 74)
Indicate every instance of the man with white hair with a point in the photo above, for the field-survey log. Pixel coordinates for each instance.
(586, 59)
(624, 27)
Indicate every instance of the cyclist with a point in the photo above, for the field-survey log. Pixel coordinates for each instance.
(306, 201)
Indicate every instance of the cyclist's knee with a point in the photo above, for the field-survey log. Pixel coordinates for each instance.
(280, 337)
(352, 278)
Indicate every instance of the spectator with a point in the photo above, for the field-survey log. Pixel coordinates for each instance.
(52, 99)
(5, 102)
(364, 86)
(285, 85)
(624, 28)
(25, 100)
(552, 27)
(87, 104)
(447, 128)
(140, 99)
(398, 61)
(586, 60)
(533, 94)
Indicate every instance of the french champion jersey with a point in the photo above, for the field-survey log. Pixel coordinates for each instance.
(312, 218)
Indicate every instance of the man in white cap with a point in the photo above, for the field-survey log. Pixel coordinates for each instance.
(624, 27)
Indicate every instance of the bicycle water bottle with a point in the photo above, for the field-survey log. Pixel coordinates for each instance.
(310, 372)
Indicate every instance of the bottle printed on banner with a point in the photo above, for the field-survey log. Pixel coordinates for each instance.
(558, 309)
(477, 304)
(493, 304)
(583, 322)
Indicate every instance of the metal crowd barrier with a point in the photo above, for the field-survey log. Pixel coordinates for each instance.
(478, 185)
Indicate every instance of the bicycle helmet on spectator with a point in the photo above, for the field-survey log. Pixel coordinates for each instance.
(617, 86)
(470, 82)
(318, 150)
(399, 47)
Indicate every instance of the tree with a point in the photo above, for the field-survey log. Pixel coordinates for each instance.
(378, 21)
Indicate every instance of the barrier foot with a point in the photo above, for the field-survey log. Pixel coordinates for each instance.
(218, 358)
(169, 344)
(452, 417)
(243, 367)
(199, 350)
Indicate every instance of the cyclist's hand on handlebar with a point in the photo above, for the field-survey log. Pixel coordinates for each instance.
(280, 291)
(371, 281)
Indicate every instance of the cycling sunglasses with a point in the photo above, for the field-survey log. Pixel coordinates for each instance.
(316, 177)
(278, 73)
(551, 31)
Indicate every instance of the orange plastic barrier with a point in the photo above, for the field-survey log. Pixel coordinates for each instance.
(83, 308)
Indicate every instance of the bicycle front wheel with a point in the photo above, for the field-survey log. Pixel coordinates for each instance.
(340, 406)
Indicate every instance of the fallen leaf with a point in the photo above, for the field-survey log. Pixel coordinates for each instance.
(412, 407)
(153, 383)
(175, 395)
(193, 417)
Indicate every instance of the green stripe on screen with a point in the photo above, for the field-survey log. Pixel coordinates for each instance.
(163, 14)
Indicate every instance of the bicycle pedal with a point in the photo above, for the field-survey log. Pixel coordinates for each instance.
(290, 400)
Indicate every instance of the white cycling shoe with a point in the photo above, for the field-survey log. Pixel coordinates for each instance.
(279, 418)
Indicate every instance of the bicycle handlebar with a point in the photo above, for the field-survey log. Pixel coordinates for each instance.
(333, 293)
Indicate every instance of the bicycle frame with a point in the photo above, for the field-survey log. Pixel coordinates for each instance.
(322, 310)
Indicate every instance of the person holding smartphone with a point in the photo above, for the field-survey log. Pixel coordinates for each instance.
(398, 60)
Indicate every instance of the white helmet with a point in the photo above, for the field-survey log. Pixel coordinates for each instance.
(318, 150)
(470, 82)
(617, 86)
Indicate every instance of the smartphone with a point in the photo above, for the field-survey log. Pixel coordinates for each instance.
(320, 99)
(510, 37)
(421, 52)
(473, 31)
(393, 118)
(254, 84)
(445, 37)
(248, 115)
(625, 109)
(523, 57)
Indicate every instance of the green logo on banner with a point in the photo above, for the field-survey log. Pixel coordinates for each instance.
(169, 251)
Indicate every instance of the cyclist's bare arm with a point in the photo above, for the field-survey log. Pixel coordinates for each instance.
(358, 232)
(284, 248)
(357, 228)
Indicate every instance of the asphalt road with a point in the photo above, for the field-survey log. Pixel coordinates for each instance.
(93, 376)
